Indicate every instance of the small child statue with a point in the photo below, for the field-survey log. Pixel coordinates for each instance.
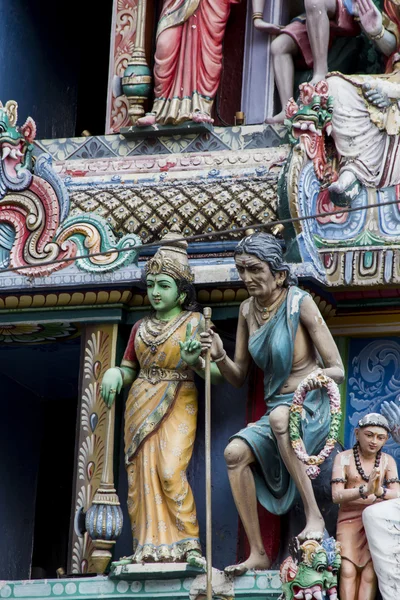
(361, 477)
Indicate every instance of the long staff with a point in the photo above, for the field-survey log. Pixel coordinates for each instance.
(207, 316)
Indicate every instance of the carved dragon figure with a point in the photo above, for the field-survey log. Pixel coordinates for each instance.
(311, 572)
(34, 206)
(310, 125)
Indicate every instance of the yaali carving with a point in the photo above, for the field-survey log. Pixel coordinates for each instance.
(34, 207)
(311, 571)
(309, 125)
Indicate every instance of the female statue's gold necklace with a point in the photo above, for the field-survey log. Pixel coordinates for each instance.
(266, 311)
(155, 332)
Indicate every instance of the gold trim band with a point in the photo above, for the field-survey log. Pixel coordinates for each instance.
(156, 374)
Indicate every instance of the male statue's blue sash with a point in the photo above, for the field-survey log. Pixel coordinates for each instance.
(272, 347)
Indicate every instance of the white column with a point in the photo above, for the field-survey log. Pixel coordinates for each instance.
(258, 87)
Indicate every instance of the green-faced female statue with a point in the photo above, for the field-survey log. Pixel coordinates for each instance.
(161, 412)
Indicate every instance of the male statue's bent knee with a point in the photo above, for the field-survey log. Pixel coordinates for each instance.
(237, 453)
(279, 420)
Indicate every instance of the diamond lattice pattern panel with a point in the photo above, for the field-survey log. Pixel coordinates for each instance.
(201, 207)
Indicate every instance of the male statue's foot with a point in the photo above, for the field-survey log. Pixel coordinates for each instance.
(346, 179)
(256, 562)
(146, 121)
(276, 119)
(345, 189)
(195, 559)
(314, 530)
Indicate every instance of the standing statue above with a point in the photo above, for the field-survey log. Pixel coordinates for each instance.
(305, 40)
(188, 60)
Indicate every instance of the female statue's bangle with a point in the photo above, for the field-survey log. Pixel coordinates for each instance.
(222, 357)
(257, 15)
(122, 374)
(379, 35)
(363, 494)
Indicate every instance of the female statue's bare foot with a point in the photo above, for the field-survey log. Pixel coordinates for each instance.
(276, 119)
(195, 559)
(146, 121)
(125, 560)
(314, 530)
(200, 117)
(256, 562)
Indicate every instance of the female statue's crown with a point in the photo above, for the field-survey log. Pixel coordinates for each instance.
(374, 420)
(171, 259)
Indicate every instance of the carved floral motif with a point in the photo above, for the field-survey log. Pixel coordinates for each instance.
(98, 351)
(122, 45)
(34, 224)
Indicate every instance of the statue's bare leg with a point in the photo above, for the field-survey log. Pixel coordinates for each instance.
(318, 13)
(279, 421)
(367, 589)
(348, 581)
(283, 49)
(238, 458)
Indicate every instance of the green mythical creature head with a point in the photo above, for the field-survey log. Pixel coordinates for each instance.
(309, 123)
(311, 572)
(15, 149)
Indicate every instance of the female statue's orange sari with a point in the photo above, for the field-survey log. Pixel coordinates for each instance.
(160, 429)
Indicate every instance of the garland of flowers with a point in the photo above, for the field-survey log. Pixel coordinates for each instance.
(296, 410)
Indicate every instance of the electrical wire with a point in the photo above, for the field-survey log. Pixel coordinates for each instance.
(201, 236)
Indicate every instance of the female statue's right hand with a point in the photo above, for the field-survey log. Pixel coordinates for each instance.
(190, 348)
(111, 385)
(210, 339)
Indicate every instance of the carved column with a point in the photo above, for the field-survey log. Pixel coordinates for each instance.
(98, 354)
(123, 37)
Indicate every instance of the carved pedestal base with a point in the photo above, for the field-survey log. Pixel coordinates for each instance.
(152, 131)
(140, 571)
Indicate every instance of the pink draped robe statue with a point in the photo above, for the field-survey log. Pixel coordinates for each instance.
(188, 59)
